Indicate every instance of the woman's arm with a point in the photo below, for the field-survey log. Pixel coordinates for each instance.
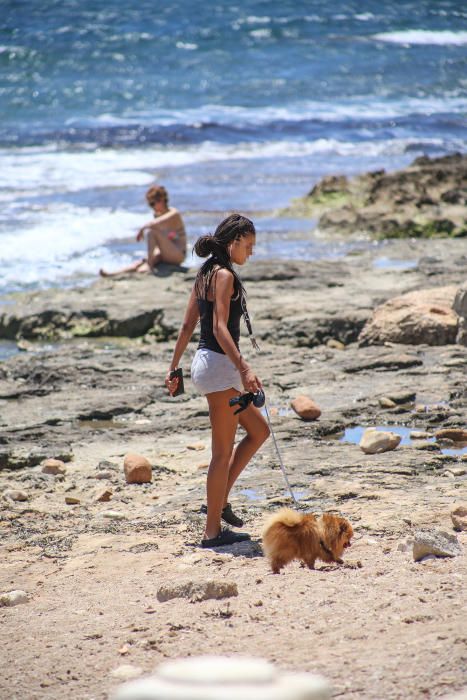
(186, 331)
(222, 290)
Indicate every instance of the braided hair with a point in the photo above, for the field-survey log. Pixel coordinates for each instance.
(215, 246)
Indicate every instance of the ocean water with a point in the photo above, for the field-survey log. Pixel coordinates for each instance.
(237, 106)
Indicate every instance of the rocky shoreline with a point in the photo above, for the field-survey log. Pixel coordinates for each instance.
(87, 388)
(426, 200)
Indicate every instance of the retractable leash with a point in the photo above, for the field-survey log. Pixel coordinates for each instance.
(259, 399)
(279, 455)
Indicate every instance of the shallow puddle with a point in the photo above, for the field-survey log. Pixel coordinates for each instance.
(354, 435)
(8, 348)
(251, 494)
(384, 263)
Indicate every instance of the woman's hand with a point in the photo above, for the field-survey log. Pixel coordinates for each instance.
(171, 384)
(250, 381)
(140, 234)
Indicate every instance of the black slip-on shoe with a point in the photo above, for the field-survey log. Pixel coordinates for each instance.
(227, 515)
(225, 537)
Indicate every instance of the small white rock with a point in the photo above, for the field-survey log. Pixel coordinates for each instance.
(406, 545)
(376, 441)
(419, 435)
(53, 466)
(113, 515)
(126, 672)
(7, 600)
(16, 495)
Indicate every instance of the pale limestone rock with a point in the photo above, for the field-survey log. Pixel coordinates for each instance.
(197, 590)
(435, 542)
(419, 435)
(8, 600)
(196, 446)
(137, 469)
(113, 515)
(126, 672)
(457, 471)
(16, 495)
(426, 445)
(460, 301)
(305, 408)
(420, 317)
(459, 517)
(375, 441)
(461, 337)
(405, 545)
(53, 466)
(384, 402)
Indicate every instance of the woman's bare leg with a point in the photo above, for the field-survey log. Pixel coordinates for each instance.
(224, 426)
(162, 249)
(138, 266)
(257, 432)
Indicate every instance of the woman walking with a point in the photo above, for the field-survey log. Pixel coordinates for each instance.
(219, 371)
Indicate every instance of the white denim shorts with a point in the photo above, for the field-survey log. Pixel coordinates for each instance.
(212, 371)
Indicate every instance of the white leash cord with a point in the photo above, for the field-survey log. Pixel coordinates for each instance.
(279, 455)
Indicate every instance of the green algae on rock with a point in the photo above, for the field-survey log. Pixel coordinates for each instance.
(425, 200)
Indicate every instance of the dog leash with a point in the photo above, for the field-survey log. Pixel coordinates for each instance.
(279, 455)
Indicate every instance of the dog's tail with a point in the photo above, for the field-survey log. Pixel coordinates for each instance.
(284, 516)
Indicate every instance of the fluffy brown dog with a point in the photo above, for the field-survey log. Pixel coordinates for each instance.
(289, 535)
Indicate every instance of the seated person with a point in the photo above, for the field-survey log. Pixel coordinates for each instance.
(165, 236)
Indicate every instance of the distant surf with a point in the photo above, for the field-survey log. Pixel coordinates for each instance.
(424, 37)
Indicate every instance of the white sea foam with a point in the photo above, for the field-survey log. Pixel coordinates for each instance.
(364, 16)
(37, 171)
(261, 33)
(356, 108)
(62, 171)
(63, 240)
(31, 170)
(186, 46)
(424, 37)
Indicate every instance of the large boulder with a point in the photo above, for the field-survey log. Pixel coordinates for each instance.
(425, 316)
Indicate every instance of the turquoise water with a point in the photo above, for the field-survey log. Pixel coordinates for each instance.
(239, 106)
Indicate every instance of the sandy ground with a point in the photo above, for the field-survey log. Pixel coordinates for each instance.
(390, 629)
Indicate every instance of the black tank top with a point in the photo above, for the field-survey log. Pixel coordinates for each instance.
(207, 340)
